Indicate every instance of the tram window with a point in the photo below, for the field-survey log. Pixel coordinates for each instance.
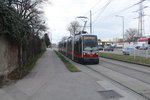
(80, 46)
(90, 42)
(76, 47)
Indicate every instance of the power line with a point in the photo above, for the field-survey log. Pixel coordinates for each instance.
(125, 9)
(128, 7)
(100, 8)
(103, 9)
(96, 4)
(93, 7)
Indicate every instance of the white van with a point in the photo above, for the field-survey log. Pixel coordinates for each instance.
(127, 50)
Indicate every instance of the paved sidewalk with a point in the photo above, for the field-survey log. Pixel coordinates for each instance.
(50, 80)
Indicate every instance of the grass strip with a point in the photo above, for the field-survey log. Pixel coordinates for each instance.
(68, 65)
(132, 59)
(20, 72)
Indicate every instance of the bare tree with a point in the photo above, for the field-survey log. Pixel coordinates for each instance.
(64, 38)
(30, 12)
(131, 34)
(74, 27)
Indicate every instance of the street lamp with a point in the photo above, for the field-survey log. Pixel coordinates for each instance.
(122, 25)
(73, 37)
(84, 19)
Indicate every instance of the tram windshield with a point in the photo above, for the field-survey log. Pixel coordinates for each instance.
(90, 43)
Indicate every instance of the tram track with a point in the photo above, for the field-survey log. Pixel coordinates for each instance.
(113, 80)
(129, 87)
(127, 67)
(126, 74)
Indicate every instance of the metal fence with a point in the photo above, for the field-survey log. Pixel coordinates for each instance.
(140, 53)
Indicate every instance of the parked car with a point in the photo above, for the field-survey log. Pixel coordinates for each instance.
(143, 48)
(108, 48)
(100, 47)
(137, 47)
(127, 50)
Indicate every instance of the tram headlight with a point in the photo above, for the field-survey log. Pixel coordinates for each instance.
(84, 53)
(97, 53)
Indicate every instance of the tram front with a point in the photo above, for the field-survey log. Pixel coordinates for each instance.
(90, 49)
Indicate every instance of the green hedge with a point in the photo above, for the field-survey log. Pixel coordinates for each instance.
(132, 59)
(69, 65)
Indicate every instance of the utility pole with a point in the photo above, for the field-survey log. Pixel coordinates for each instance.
(122, 26)
(51, 38)
(141, 28)
(141, 19)
(73, 44)
(90, 22)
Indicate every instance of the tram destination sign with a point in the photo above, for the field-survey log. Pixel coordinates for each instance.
(89, 37)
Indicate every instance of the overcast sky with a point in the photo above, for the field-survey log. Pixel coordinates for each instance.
(105, 24)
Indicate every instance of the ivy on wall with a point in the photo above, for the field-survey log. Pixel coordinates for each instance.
(12, 24)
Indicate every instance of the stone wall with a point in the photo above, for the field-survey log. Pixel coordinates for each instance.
(8, 56)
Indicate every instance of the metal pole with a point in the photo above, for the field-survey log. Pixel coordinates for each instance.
(90, 22)
(73, 45)
(51, 39)
(146, 53)
(122, 25)
(141, 19)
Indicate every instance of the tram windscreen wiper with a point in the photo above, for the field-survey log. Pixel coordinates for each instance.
(95, 48)
(88, 48)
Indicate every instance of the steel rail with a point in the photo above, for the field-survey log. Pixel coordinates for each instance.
(147, 98)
